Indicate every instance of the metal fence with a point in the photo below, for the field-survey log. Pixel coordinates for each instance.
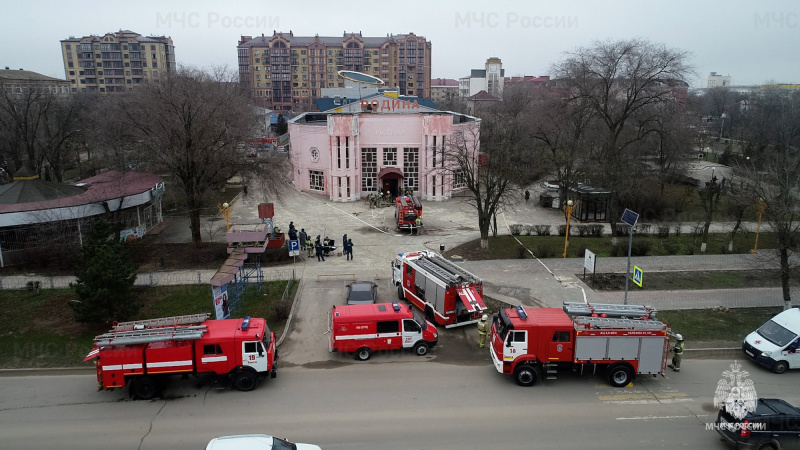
(174, 278)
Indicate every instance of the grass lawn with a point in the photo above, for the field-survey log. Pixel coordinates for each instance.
(506, 247)
(669, 281)
(39, 330)
(716, 327)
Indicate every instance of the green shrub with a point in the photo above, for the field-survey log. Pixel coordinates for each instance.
(672, 248)
(662, 231)
(280, 310)
(643, 229)
(542, 230)
(516, 229)
(562, 230)
(596, 230)
(640, 248)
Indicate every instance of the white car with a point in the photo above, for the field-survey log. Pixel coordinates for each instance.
(255, 442)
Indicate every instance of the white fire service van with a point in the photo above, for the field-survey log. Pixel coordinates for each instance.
(364, 329)
(776, 345)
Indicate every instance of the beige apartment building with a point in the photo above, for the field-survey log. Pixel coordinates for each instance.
(285, 72)
(115, 62)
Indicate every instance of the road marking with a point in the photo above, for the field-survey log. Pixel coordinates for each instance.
(642, 396)
(661, 417)
(648, 402)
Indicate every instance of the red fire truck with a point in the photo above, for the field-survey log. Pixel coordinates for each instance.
(364, 329)
(526, 342)
(407, 209)
(140, 353)
(449, 295)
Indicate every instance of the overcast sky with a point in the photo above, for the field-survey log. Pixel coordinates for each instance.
(753, 41)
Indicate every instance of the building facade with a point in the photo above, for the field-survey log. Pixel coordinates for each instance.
(490, 79)
(285, 72)
(115, 62)
(380, 144)
(444, 90)
(20, 82)
(715, 80)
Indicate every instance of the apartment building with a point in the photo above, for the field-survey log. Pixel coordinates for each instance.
(286, 72)
(716, 80)
(116, 61)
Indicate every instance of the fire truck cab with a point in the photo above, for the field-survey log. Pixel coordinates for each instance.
(447, 293)
(407, 210)
(363, 329)
(527, 342)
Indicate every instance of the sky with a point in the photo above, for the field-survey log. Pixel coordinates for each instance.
(752, 41)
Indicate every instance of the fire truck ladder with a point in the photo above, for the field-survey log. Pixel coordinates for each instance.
(188, 319)
(618, 323)
(151, 335)
(446, 270)
(612, 310)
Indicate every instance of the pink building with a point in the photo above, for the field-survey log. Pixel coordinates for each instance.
(380, 143)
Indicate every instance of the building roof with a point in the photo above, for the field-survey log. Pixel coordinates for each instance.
(326, 104)
(26, 75)
(39, 195)
(483, 96)
(329, 41)
(444, 82)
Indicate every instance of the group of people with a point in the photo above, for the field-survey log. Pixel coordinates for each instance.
(320, 247)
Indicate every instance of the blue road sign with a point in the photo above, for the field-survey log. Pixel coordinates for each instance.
(637, 276)
(294, 248)
(629, 217)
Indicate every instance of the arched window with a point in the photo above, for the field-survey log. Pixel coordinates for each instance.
(353, 44)
(279, 44)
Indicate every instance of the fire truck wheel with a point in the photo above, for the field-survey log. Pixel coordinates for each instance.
(144, 388)
(780, 367)
(363, 354)
(245, 381)
(400, 293)
(525, 375)
(619, 376)
(421, 349)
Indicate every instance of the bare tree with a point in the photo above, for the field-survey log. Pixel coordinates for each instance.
(623, 82)
(491, 159)
(773, 173)
(191, 123)
(36, 126)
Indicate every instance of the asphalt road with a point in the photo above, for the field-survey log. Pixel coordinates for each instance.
(392, 402)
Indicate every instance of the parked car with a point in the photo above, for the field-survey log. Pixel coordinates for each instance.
(256, 442)
(362, 293)
(775, 424)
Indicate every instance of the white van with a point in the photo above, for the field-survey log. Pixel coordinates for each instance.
(775, 344)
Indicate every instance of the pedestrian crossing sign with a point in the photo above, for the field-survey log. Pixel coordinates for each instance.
(637, 276)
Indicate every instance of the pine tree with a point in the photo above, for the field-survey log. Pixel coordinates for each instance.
(105, 278)
(281, 127)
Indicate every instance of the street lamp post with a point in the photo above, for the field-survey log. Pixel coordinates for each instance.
(722, 125)
(568, 208)
(761, 205)
(225, 210)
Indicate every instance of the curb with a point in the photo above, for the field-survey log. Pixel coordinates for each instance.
(713, 353)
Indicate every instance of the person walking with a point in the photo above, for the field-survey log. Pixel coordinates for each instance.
(344, 241)
(483, 329)
(527, 196)
(303, 238)
(348, 249)
(677, 354)
(320, 255)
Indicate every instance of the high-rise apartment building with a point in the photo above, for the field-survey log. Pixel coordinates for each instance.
(117, 61)
(286, 72)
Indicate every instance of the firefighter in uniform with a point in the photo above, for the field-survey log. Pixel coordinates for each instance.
(483, 329)
(418, 225)
(678, 354)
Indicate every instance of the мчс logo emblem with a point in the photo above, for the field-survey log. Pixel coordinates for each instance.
(735, 392)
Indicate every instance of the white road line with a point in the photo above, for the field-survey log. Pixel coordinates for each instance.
(660, 417)
(648, 402)
(354, 217)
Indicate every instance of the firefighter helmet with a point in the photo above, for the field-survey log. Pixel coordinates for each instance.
(679, 337)
(484, 317)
